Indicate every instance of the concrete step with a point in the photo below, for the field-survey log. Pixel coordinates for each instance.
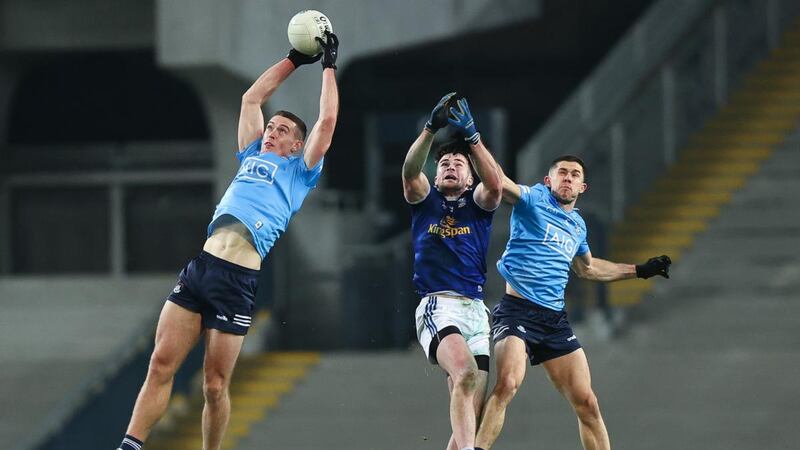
(635, 242)
(685, 198)
(755, 138)
(679, 183)
(630, 227)
(672, 212)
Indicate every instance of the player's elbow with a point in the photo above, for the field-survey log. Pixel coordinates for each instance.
(584, 272)
(250, 98)
(495, 196)
(326, 124)
(494, 188)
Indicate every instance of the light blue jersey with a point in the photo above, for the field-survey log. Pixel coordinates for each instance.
(544, 239)
(266, 192)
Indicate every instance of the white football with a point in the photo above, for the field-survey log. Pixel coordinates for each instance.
(304, 27)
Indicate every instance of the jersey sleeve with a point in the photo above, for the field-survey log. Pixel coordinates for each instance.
(478, 207)
(528, 195)
(310, 177)
(250, 150)
(583, 248)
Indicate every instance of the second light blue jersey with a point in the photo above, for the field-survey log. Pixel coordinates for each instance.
(266, 192)
(544, 239)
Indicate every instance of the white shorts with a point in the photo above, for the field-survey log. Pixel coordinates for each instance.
(438, 312)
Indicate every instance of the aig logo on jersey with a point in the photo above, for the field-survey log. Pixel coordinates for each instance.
(560, 241)
(256, 169)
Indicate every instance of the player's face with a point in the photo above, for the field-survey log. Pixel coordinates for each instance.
(565, 181)
(280, 136)
(453, 175)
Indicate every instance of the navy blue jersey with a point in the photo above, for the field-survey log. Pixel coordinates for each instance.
(450, 239)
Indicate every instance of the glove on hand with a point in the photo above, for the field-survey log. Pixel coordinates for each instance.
(461, 118)
(298, 59)
(439, 114)
(330, 50)
(658, 265)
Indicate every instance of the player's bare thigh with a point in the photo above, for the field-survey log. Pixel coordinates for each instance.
(177, 332)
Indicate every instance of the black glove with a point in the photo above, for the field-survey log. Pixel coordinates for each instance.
(330, 50)
(298, 59)
(439, 114)
(658, 265)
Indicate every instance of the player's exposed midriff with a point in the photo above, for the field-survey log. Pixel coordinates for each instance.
(232, 242)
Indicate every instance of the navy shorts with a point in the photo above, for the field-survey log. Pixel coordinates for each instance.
(222, 292)
(546, 332)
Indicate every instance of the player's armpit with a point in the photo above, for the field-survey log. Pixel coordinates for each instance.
(581, 264)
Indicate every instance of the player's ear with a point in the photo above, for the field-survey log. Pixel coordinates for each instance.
(547, 180)
(297, 146)
(470, 181)
(584, 187)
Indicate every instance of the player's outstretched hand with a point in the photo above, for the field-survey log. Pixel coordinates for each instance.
(439, 114)
(330, 50)
(658, 265)
(298, 59)
(461, 118)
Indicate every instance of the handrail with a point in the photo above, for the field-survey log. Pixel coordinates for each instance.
(594, 104)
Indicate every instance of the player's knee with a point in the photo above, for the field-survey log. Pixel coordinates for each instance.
(215, 388)
(466, 378)
(586, 406)
(162, 367)
(507, 387)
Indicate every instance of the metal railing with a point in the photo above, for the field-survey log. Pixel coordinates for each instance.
(658, 85)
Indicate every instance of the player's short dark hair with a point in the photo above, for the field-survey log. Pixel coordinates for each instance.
(301, 126)
(570, 158)
(458, 147)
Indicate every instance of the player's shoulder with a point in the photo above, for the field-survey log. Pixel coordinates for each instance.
(299, 161)
(530, 194)
(575, 215)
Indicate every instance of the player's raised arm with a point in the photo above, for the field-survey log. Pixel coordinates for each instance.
(319, 140)
(489, 191)
(251, 118)
(511, 191)
(585, 266)
(415, 184)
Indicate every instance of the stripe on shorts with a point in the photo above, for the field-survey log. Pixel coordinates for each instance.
(428, 316)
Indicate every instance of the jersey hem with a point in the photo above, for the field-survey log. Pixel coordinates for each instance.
(235, 213)
(507, 276)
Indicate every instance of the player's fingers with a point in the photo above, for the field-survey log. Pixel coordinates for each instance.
(464, 106)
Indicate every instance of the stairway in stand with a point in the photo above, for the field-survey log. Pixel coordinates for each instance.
(719, 159)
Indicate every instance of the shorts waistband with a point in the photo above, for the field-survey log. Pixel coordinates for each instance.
(460, 298)
(208, 257)
(528, 303)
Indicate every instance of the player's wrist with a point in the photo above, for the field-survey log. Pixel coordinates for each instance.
(472, 139)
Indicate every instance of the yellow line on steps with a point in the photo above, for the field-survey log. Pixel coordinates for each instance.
(257, 386)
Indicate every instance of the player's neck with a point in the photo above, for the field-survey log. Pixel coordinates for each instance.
(568, 207)
(452, 195)
(277, 153)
